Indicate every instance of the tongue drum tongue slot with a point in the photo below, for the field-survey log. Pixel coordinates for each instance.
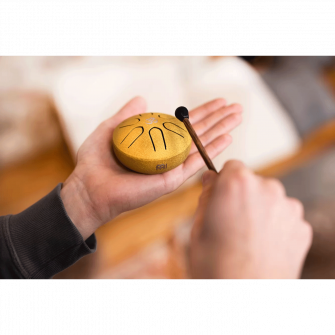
(157, 138)
(132, 136)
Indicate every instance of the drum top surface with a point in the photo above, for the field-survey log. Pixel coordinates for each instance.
(151, 137)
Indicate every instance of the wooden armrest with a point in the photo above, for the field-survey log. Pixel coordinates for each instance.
(314, 144)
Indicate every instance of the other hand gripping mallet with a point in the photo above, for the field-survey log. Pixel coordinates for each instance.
(181, 114)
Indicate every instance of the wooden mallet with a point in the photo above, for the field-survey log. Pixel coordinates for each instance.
(181, 114)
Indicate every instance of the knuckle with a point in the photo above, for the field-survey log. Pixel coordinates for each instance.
(220, 101)
(297, 206)
(204, 124)
(233, 162)
(227, 138)
(205, 138)
(236, 118)
(227, 122)
(307, 233)
(222, 126)
(276, 187)
(241, 175)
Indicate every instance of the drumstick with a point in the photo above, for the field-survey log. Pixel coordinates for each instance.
(181, 114)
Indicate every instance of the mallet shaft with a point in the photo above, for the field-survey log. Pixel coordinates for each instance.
(199, 145)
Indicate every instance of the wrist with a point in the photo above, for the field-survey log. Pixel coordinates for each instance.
(79, 207)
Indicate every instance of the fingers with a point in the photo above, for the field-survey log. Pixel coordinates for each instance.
(200, 112)
(208, 179)
(302, 228)
(296, 207)
(275, 187)
(307, 234)
(211, 120)
(194, 162)
(272, 187)
(277, 190)
(223, 127)
(232, 166)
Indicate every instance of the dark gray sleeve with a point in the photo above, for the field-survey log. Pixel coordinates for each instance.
(41, 241)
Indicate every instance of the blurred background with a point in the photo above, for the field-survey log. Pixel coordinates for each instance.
(49, 105)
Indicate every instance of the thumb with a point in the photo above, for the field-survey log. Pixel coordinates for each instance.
(208, 178)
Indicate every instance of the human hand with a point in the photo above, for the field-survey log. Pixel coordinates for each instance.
(246, 227)
(100, 188)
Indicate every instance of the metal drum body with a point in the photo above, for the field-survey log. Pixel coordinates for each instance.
(151, 143)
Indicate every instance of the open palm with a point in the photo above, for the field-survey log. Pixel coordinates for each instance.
(107, 188)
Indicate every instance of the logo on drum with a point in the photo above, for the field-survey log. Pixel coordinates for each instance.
(151, 120)
(161, 166)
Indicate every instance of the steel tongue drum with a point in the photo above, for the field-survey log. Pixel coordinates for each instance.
(151, 143)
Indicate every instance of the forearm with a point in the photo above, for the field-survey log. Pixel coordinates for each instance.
(41, 241)
(8, 267)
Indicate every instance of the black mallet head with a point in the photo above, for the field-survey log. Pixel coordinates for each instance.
(181, 113)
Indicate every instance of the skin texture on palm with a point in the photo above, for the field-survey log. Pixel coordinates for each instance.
(100, 188)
